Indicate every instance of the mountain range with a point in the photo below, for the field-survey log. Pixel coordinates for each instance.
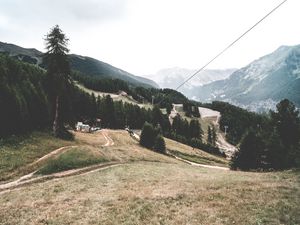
(172, 77)
(83, 64)
(261, 84)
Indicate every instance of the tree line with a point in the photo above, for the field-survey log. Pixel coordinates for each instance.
(104, 84)
(275, 145)
(164, 98)
(23, 99)
(265, 141)
(236, 120)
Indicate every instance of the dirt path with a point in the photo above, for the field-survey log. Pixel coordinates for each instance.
(53, 153)
(191, 163)
(32, 178)
(200, 165)
(109, 141)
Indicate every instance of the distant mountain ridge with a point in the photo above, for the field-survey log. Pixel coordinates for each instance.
(172, 77)
(261, 84)
(83, 64)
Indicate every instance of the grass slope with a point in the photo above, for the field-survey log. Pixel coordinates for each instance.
(19, 155)
(193, 154)
(16, 153)
(115, 97)
(150, 188)
(157, 193)
(72, 159)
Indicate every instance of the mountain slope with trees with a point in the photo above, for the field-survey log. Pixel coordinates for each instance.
(83, 64)
(261, 84)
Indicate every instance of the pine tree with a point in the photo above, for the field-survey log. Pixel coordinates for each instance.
(250, 152)
(157, 116)
(148, 136)
(93, 113)
(195, 129)
(58, 71)
(176, 125)
(169, 108)
(209, 135)
(159, 144)
(213, 136)
(286, 122)
(108, 112)
(184, 131)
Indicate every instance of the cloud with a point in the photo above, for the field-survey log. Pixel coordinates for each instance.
(19, 12)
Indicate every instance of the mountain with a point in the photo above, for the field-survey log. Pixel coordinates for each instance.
(83, 64)
(261, 84)
(172, 77)
(94, 67)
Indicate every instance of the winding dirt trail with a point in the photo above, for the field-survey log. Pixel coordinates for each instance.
(109, 140)
(189, 162)
(53, 153)
(33, 178)
(198, 164)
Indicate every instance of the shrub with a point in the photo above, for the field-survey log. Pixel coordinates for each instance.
(160, 145)
(148, 135)
(249, 155)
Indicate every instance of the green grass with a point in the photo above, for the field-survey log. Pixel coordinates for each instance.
(17, 152)
(71, 159)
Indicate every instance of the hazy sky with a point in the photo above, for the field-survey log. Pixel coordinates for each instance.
(143, 36)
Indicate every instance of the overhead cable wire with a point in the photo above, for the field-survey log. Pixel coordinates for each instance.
(231, 44)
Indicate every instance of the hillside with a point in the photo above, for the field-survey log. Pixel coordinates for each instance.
(20, 85)
(83, 64)
(261, 84)
(94, 67)
(144, 187)
(115, 96)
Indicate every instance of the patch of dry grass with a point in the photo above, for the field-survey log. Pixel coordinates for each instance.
(157, 193)
(194, 154)
(126, 149)
(19, 158)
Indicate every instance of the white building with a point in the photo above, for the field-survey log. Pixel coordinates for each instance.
(82, 127)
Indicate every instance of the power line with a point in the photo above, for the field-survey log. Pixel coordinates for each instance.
(230, 45)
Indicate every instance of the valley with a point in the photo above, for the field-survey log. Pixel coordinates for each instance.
(84, 142)
(137, 186)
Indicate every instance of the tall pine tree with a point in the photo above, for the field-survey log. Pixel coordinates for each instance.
(58, 71)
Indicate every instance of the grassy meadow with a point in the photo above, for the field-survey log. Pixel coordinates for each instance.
(157, 193)
(141, 186)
